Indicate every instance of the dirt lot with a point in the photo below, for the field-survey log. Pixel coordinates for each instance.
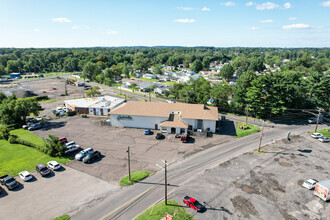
(264, 185)
(112, 142)
(51, 196)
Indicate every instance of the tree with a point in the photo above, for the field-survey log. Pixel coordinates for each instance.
(220, 94)
(13, 66)
(227, 71)
(206, 63)
(317, 86)
(93, 92)
(196, 66)
(157, 70)
(53, 146)
(91, 70)
(2, 70)
(2, 97)
(241, 86)
(256, 64)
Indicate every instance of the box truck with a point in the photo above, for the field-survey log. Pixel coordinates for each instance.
(322, 190)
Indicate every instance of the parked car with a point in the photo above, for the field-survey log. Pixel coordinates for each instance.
(27, 125)
(63, 140)
(324, 139)
(83, 153)
(53, 165)
(42, 169)
(160, 136)
(84, 116)
(39, 118)
(314, 120)
(34, 126)
(72, 148)
(30, 119)
(185, 137)
(310, 184)
(316, 135)
(9, 182)
(193, 203)
(25, 175)
(70, 143)
(91, 156)
(147, 132)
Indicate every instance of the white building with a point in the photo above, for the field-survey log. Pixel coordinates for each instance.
(172, 117)
(101, 105)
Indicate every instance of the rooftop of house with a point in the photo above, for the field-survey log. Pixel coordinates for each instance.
(97, 102)
(160, 109)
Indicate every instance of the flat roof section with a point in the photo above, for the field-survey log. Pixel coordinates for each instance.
(96, 102)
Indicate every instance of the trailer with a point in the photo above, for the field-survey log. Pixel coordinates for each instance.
(322, 190)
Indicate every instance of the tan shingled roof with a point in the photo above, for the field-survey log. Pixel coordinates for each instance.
(177, 123)
(162, 109)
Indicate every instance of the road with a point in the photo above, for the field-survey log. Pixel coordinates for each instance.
(131, 201)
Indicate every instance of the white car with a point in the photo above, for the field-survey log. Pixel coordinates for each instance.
(25, 175)
(324, 139)
(72, 148)
(316, 135)
(310, 184)
(39, 118)
(70, 143)
(53, 165)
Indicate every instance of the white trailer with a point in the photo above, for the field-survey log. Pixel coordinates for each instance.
(322, 190)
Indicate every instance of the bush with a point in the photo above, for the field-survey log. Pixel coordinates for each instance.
(12, 139)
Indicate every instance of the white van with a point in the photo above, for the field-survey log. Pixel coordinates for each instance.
(70, 143)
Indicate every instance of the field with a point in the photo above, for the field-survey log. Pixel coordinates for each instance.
(28, 136)
(16, 158)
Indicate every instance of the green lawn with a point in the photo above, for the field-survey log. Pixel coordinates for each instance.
(16, 158)
(158, 211)
(325, 132)
(63, 217)
(49, 100)
(136, 176)
(121, 95)
(27, 136)
(170, 83)
(149, 80)
(251, 129)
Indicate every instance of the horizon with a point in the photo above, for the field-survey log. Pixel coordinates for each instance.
(220, 24)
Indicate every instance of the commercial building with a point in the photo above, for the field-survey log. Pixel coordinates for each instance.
(95, 106)
(172, 117)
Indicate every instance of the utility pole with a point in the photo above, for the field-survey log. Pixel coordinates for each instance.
(149, 96)
(318, 118)
(261, 134)
(247, 114)
(165, 162)
(129, 164)
(65, 90)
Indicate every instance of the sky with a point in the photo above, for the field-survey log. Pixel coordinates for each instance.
(108, 23)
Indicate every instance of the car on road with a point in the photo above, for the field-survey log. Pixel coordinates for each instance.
(193, 203)
(316, 135)
(9, 182)
(83, 153)
(160, 136)
(147, 132)
(70, 143)
(34, 126)
(324, 139)
(72, 148)
(42, 169)
(63, 140)
(53, 165)
(91, 156)
(25, 175)
(310, 184)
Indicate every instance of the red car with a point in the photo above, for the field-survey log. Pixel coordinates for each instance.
(185, 137)
(63, 140)
(193, 203)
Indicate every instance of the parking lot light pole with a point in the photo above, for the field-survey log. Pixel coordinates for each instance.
(129, 164)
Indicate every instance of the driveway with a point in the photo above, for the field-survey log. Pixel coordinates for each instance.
(52, 196)
(112, 142)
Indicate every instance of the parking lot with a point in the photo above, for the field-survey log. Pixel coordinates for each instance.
(51, 196)
(264, 185)
(112, 142)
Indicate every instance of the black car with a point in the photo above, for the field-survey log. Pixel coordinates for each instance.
(42, 169)
(160, 136)
(91, 156)
(9, 182)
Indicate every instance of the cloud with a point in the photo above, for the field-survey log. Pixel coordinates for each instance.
(325, 4)
(186, 8)
(228, 4)
(253, 28)
(112, 32)
(296, 26)
(267, 6)
(80, 27)
(206, 9)
(36, 30)
(184, 20)
(267, 21)
(292, 18)
(287, 5)
(248, 4)
(61, 20)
